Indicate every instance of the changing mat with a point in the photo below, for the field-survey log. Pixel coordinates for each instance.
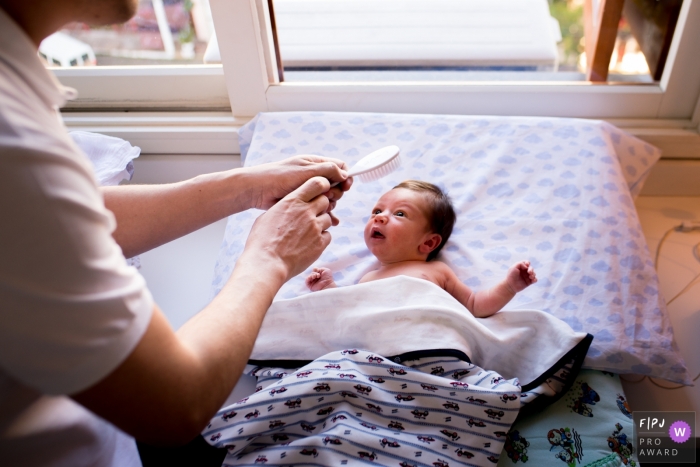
(557, 192)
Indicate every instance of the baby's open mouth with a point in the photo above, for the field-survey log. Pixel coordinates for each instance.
(377, 234)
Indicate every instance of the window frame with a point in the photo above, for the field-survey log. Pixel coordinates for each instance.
(197, 87)
(241, 35)
(201, 109)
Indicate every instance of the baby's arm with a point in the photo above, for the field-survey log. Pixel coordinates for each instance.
(320, 279)
(487, 302)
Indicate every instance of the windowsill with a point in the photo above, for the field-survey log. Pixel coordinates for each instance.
(192, 87)
(216, 132)
(140, 70)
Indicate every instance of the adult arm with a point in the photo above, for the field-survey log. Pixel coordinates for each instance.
(169, 387)
(151, 215)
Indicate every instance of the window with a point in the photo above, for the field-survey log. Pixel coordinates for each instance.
(447, 40)
(252, 84)
(155, 60)
(163, 32)
(252, 75)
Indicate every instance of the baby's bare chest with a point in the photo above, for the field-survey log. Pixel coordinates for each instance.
(425, 271)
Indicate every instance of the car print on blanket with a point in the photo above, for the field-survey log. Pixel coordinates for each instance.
(385, 414)
(581, 399)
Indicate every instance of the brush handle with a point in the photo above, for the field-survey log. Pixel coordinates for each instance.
(374, 160)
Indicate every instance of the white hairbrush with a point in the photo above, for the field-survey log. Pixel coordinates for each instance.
(377, 164)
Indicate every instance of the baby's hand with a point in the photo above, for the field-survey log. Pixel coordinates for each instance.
(321, 278)
(520, 276)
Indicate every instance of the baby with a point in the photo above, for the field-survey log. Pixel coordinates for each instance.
(408, 227)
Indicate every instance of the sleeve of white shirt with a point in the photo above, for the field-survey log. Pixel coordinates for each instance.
(71, 309)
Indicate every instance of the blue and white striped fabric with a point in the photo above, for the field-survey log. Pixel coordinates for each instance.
(352, 406)
(557, 192)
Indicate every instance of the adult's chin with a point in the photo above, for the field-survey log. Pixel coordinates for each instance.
(104, 12)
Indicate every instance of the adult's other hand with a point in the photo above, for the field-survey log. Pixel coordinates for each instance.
(277, 179)
(294, 230)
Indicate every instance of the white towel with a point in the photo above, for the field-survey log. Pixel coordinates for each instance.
(111, 157)
(112, 160)
(403, 314)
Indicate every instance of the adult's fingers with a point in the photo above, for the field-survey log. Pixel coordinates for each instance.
(329, 210)
(336, 192)
(320, 159)
(320, 205)
(325, 221)
(331, 205)
(310, 189)
(335, 171)
(334, 220)
(325, 239)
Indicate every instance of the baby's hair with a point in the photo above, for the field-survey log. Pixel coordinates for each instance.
(442, 214)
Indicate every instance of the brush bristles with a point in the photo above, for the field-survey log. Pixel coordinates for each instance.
(381, 171)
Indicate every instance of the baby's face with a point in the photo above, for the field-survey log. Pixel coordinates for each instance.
(398, 226)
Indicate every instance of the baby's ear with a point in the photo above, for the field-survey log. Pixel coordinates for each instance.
(431, 242)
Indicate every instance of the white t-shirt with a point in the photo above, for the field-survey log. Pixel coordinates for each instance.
(71, 309)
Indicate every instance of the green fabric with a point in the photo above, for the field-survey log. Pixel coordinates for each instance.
(613, 460)
(589, 426)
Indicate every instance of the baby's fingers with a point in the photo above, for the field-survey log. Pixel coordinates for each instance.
(531, 273)
(313, 277)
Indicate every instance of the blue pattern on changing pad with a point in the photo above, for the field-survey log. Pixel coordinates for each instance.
(558, 192)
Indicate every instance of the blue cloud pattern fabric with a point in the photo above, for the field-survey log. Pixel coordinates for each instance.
(558, 192)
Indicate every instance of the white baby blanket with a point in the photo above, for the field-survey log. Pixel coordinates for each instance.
(403, 314)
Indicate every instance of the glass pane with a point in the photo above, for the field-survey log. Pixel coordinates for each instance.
(627, 58)
(163, 32)
(446, 40)
(644, 36)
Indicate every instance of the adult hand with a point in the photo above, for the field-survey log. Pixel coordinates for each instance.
(520, 276)
(277, 179)
(292, 234)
